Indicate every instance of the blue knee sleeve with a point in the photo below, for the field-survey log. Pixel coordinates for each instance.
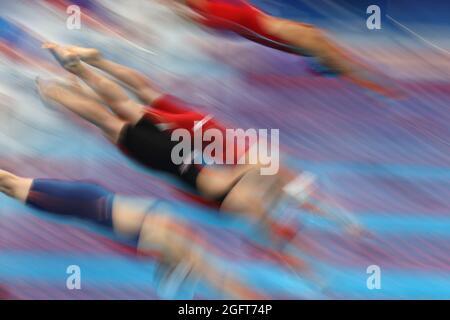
(72, 198)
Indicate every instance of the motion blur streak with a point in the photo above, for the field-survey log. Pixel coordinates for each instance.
(386, 161)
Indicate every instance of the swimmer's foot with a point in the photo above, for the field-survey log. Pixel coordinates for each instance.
(66, 58)
(87, 55)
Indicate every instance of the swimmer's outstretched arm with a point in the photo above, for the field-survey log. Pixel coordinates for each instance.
(336, 213)
(302, 190)
(184, 246)
(313, 41)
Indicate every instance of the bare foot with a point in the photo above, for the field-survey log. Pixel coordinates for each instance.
(66, 58)
(85, 54)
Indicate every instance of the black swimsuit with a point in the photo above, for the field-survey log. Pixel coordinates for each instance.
(152, 147)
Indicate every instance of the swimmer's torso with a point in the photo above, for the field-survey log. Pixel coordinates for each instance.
(241, 17)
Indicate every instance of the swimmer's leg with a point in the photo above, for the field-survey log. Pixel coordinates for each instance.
(86, 108)
(78, 199)
(14, 186)
(242, 190)
(66, 198)
(83, 200)
(141, 85)
(112, 94)
(214, 182)
(75, 86)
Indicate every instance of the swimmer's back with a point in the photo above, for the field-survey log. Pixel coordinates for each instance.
(238, 16)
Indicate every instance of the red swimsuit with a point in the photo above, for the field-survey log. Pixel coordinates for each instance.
(170, 113)
(240, 17)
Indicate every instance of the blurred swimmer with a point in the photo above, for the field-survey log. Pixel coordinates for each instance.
(140, 132)
(146, 224)
(255, 195)
(243, 18)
